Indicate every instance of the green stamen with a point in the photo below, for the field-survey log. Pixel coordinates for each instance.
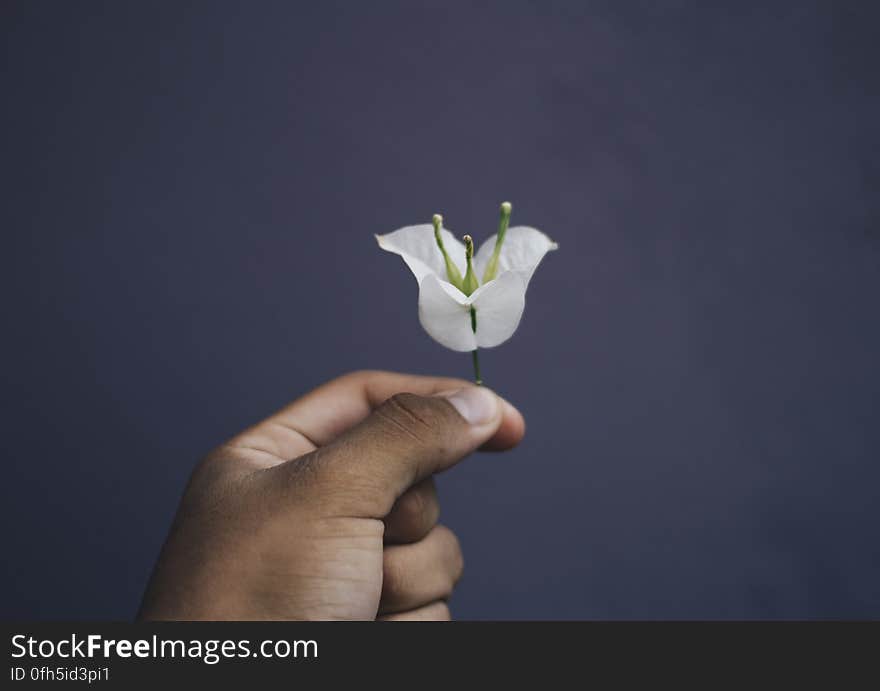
(492, 267)
(470, 283)
(452, 271)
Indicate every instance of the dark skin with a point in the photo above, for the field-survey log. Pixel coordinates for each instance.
(327, 509)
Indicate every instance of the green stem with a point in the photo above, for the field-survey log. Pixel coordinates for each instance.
(474, 354)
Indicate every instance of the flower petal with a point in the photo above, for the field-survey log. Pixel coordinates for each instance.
(444, 312)
(417, 246)
(523, 250)
(499, 305)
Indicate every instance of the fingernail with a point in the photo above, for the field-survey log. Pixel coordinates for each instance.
(475, 404)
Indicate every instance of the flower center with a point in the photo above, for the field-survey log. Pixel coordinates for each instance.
(468, 283)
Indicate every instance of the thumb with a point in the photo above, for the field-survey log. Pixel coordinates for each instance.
(404, 440)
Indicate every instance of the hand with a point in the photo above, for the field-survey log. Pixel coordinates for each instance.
(327, 509)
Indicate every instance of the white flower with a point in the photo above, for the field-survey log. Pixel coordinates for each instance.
(455, 308)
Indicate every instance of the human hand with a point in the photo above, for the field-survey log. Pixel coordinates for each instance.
(327, 509)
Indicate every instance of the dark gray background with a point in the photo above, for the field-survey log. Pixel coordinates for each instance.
(189, 198)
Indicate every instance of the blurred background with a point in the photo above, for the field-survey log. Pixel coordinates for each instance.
(190, 193)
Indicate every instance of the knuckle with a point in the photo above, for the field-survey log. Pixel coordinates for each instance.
(394, 576)
(421, 418)
(410, 415)
(411, 507)
(418, 507)
(455, 556)
(410, 406)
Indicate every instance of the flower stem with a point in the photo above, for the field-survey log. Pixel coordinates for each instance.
(474, 354)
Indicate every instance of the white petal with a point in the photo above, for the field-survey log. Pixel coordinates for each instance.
(499, 305)
(523, 250)
(444, 312)
(417, 246)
